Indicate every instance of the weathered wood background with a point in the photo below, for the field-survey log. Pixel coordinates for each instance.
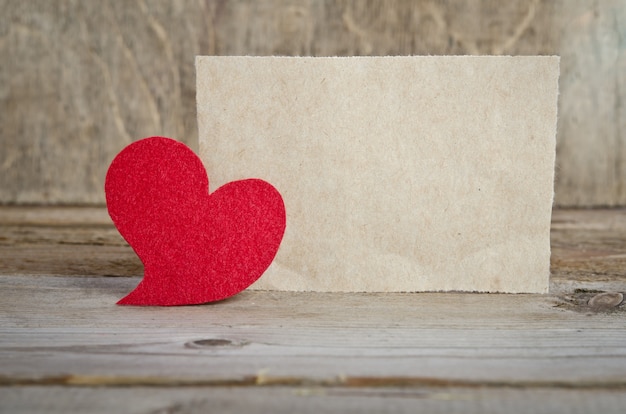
(81, 79)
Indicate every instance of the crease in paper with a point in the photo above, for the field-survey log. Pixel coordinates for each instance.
(398, 173)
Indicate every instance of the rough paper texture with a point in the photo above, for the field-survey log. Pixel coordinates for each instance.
(398, 173)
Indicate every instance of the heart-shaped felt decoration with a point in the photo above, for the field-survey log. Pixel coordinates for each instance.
(196, 247)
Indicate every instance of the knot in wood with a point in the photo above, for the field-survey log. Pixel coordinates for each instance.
(606, 300)
(214, 343)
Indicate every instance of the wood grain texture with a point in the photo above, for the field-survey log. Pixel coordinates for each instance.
(66, 347)
(80, 80)
(288, 400)
(273, 349)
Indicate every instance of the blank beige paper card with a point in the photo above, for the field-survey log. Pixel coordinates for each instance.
(430, 173)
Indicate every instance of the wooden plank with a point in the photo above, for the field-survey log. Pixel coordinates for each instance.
(588, 246)
(82, 79)
(52, 327)
(588, 249)
(227, 400)
(63, 241)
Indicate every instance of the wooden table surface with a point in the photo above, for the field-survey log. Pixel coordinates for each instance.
(66, 347)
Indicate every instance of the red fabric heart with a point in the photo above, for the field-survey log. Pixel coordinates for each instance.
(195, 247)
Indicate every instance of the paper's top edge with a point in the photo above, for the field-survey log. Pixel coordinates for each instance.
(380, 57)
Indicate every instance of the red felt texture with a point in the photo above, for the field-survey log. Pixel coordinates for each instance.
(196, 247)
